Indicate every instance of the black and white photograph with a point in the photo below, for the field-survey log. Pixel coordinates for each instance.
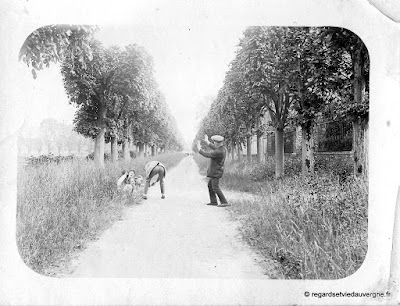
(187, 153)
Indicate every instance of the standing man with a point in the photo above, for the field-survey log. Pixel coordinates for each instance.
(155, 171)
(216, 169)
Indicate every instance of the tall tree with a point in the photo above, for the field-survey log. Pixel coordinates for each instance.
(316, 76)
(54, 43)
(357, 107)
(269, 72)
(89, 86)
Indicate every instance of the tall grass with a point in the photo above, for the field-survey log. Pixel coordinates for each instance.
(62, 206)
(315, 228)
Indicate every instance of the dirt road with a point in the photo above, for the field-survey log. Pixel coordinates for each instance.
(178, 237)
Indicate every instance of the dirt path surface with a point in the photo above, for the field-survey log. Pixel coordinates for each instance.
(178, 237)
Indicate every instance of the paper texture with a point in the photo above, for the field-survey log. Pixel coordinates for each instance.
(20, 286)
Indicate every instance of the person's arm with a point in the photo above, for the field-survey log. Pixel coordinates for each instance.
(210, 144)
(121, 179)
(212, 154)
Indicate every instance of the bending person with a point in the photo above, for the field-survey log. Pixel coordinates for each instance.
(155, 171)
(216, 168)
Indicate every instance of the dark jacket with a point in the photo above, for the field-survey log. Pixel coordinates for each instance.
(217, 155)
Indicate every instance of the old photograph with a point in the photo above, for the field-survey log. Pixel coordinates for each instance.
(227, 156)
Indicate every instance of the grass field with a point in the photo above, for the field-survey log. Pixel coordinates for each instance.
(60, 207)
(315, 228)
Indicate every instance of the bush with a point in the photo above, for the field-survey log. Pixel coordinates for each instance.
(341, 167)
(47, 159)
(107, 156)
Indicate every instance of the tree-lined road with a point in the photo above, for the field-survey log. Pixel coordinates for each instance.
(179, 237)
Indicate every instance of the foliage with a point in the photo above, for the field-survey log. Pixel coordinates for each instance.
(90, 156)
(47, 159)
(121, 82)
(352, 61)
(297, 75)
(53, 43)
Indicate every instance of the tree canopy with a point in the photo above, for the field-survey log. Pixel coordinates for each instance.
(298, 76)
(114, 89)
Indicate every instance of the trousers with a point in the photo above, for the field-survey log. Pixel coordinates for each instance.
(161, 174)
(214, 191)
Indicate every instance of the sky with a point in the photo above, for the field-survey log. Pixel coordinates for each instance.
(189, 61)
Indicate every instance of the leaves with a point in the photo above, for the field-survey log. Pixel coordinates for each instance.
(55, 42)
(297, 75)
(121, 81)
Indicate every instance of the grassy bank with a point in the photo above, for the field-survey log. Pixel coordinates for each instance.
(62, 206)
(316, 229)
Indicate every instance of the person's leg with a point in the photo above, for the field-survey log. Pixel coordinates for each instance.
(161, 175)
(158, 170)
(213, 198)
(218, 191)
(146, 188)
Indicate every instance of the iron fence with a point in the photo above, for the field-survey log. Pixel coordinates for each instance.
(289, 140)
(333, 136)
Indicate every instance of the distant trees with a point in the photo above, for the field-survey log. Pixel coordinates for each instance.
(55, 137)
(114, 89)
(296, 75)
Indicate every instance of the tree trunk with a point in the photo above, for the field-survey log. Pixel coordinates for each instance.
(360, 147)
(145, 149)
(307, 150)
(233, 151)
(260, 152)
(125, 144)
(125, 151)
(99, 148)
(140, 144)
(259, 141)
(360, 125)
(114, 149)
(99, 142)
(279, 153)
(153, 151)
(238, 151)
(248, 143)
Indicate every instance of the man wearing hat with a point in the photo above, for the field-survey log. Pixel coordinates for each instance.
(216, 168)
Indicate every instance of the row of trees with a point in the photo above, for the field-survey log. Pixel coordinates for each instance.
(296, 76)
(56, 137)
(114, 89)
